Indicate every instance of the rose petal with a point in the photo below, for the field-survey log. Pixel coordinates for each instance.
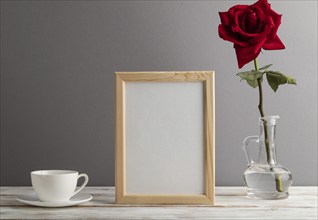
(232, 12)
(244, 57)
(244, 51)
(237, 19)
(276, 23)
(262, 18)
(252, 38)
(263, 4)
(275, 44)
(273, 13)
(224, 16)
(252, 20)
(229, 36)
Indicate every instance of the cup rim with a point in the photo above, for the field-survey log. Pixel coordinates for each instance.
(53, 172)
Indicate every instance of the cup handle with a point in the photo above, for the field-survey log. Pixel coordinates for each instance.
(83, 185)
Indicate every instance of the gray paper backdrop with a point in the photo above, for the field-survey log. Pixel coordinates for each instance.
(57, 82)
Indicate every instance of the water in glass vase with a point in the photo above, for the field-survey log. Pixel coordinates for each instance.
(265, 178)
(264, 184)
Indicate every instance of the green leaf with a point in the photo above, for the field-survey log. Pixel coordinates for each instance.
(276, 78)
(252, 83)
(265, 67)
(251, 77)
(272, 85)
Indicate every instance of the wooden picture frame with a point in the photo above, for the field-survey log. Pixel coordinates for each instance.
(184, 86)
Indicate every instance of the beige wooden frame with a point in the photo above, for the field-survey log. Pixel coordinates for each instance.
(207, 77)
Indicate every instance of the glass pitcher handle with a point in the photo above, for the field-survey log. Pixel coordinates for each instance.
(246, 142)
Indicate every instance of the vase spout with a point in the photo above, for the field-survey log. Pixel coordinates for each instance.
(269, 120)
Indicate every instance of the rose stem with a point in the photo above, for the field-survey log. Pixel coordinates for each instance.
(261, 111)
(260, 108)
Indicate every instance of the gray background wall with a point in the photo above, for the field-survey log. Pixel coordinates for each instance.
(57, 82)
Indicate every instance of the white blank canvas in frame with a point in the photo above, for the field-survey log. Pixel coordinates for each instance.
(164, 138)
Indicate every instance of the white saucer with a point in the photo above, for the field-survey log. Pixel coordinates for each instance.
(32, 199)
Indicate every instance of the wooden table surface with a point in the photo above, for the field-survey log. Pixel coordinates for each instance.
(231, 203)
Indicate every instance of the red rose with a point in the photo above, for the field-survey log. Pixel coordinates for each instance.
(250, 28)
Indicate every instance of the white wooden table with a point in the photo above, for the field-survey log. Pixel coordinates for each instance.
(231, 203)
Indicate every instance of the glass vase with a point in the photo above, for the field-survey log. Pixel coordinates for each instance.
(265, 178)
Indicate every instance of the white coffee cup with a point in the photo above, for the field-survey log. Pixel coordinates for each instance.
(56, 185)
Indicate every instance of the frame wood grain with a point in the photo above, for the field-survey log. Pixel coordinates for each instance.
(207, 77)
